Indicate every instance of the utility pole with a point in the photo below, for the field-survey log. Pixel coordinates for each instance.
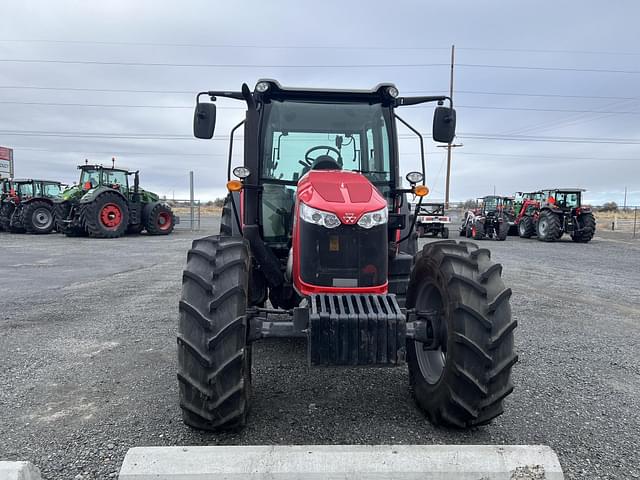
(446, 196)
(191, 200)
(625, 199)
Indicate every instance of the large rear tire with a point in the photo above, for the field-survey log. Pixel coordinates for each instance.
(106, 217)
(549, 228)
(587, 224)
(214, 359)
(161, 220)
(526, 228)
(38, 217)
(464, 383)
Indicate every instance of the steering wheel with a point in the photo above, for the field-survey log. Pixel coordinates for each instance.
(323, 162)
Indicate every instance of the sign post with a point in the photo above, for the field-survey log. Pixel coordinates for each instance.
(6, 162)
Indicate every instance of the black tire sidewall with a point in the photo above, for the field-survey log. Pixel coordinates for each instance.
(92, 211)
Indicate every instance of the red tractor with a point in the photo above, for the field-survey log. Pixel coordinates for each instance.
(490, 219)
(561, 211)
(317, 241)
(527, 207)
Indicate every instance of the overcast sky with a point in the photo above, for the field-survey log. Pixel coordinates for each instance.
(543, 125)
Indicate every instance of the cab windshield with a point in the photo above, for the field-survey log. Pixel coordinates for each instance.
(90, 175)
(297, 135)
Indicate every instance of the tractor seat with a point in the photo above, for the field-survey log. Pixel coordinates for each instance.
(325, 162)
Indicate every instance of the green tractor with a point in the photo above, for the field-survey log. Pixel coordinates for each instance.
(27, 205)
(103, 205)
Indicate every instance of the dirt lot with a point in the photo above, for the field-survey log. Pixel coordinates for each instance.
(87, 348)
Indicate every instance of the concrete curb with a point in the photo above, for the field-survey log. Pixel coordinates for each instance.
(19, 471)
(316, 462)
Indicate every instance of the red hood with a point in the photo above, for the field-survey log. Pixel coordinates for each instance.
(347, 194)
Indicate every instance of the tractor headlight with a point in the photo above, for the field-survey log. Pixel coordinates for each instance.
(319, 217)
(373, 219)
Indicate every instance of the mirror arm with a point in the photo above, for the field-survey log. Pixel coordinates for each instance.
(233, 131)
(424, 172)
(404, 101)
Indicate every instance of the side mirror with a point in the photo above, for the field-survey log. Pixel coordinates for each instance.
(204, 120)
(444, 124)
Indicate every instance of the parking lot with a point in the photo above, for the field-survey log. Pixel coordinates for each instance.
(87, 349)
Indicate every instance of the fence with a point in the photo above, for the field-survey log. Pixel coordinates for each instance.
(624, 220)
(189, 213)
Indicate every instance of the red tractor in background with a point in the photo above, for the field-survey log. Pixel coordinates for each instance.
(561, 211)
(551, 213)
(488, 220)
(527, 206)
(317, 241)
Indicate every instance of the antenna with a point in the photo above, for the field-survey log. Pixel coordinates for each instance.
(86, 161)
(113, 162)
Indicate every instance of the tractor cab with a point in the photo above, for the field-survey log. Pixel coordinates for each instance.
(317, 241)
(567, 200)
(94, 176)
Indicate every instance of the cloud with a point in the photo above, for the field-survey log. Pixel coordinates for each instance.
(515, 33)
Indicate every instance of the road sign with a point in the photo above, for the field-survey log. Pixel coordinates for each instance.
(6, 162)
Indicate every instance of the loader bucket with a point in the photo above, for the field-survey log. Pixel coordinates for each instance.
(353, 462)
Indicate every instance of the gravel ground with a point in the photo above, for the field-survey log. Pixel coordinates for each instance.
(87, 348)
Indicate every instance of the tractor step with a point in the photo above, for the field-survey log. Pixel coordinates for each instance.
(356, 329)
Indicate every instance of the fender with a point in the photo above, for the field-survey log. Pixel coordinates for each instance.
(40, 199)
(91, 195)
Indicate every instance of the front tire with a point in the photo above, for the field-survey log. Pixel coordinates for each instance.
(549, 228)
(105, 217)
(464, 383)
(38, 218)
(214, 358)
(161, 220)
(587, 224)
(445, 232)
(526, 228)
(477, 230)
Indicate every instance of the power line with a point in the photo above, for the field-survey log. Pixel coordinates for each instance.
(527, 138)
(318, 47)
(214, 65)
(248, 65)
(416, 92)
(481, 107)
(477, 136)
(553, 157)
(550, 69)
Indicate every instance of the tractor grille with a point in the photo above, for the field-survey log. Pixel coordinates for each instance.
(356, 329)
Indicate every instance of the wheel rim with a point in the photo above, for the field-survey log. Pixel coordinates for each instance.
(164, 221)
(42, 218)
(542, 226)
(474, 231)
(430, 362)
(111, 215)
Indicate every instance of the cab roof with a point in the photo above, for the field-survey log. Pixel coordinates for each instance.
(102, 167)
(30, 180)
(377, 94)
